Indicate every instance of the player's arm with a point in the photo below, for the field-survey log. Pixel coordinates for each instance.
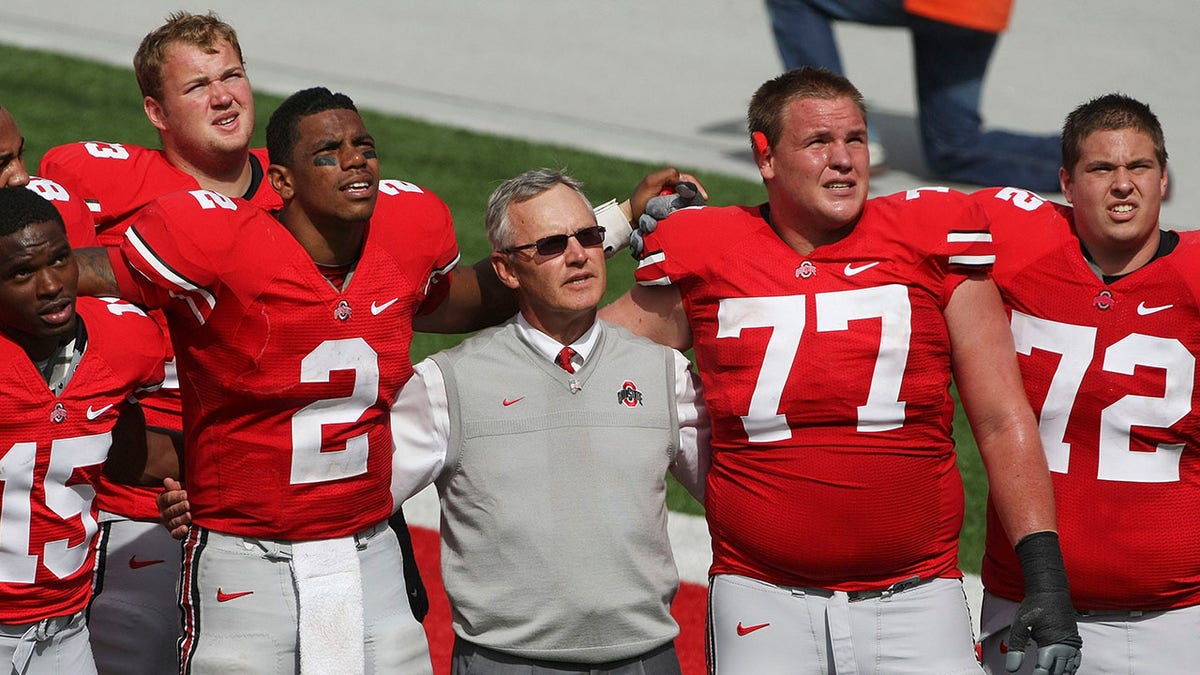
(140, 456)
(992, 394)
(476, 299)
(96, 275)
(989, 384)
(654, 312)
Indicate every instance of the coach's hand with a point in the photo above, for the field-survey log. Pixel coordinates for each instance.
(1046, 613)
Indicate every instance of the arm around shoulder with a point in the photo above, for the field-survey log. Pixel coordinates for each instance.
(476, 299)
(654, 312)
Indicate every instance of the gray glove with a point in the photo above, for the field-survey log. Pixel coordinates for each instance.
(686, 194)
(1046, 613)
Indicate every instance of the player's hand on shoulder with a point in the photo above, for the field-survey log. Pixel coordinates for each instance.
(684, 192)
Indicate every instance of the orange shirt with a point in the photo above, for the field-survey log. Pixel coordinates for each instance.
(986, 15)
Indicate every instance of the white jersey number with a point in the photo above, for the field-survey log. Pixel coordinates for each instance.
(786, 316)
(106, 150)
(1076, 345)
(311, 464)
(17, 473)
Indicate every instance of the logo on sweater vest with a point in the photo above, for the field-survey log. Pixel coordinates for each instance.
(629, 395)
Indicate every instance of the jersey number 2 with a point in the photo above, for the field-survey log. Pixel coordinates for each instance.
(311, 464)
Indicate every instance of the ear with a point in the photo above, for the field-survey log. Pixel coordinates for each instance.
(281, 180)
(505, 271)
(1064, 180)
(1164, 183)
(762, 154)
(156, 113)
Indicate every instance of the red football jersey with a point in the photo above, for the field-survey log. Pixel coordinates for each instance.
(287, 383)
(81, 228)
(1110, 370)
(118, 181)
(827, 380)
(51, 452)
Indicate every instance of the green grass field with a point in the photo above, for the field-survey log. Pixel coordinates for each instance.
(56, 99)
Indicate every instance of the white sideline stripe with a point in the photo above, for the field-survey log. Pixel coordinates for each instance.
(689, 540)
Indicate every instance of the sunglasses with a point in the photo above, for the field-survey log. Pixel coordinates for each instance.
(555, 244)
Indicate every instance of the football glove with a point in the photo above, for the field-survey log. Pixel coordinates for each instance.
(686, 194)
(1046, 613)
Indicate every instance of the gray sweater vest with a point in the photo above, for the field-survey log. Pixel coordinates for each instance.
(554, 520)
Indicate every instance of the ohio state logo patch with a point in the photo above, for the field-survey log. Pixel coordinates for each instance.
(806, 270)
(629, 395)
(1103, 300)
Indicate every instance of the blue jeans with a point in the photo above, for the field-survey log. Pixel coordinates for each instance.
(950, 64)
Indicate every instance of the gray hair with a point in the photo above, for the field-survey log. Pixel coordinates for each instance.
(519, 189)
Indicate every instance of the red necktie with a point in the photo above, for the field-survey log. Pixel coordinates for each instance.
(564, 359)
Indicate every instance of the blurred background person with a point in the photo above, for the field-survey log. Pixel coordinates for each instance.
(952, 41)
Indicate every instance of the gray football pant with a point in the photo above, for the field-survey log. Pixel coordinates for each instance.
(757, 627)
(240, 606)
(134, 614)
(1113, 642)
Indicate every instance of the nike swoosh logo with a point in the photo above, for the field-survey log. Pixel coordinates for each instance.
(136, 564)
(377, 309)
(93, 414)
(851, 270)
(509, 401)
(743, 631)
(226, 597)
(1143, 310)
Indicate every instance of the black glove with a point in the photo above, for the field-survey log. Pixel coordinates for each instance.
(1046, 613)
(686, 194)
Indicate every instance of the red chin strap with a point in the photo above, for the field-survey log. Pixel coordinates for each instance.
(759, 139)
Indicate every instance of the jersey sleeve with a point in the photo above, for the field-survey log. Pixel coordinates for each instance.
(428, 227)
(958, 231)
(138, 340)
(175, 246)
(115, 181)
(667, 255)
(95, 171)
(1014, 213)
(81, 227)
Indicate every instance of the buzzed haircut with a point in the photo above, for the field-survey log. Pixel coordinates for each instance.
(519, 189)
(1111, 112)
(21, 207)
(769, 104)
(198, 30)
(282, 128)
